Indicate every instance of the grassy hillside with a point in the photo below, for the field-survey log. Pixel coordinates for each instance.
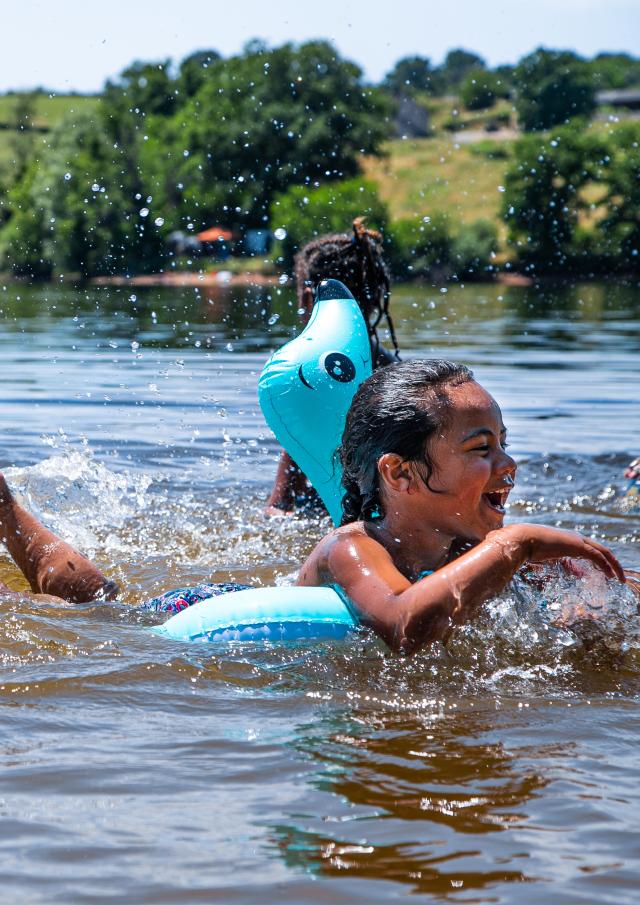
(48, 109)
(428, 175)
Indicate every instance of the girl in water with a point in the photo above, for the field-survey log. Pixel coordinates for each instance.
(356, 260)
(422, 543)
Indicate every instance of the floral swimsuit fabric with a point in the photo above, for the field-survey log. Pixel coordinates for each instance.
(181, 598)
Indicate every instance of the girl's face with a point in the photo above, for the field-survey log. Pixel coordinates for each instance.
(472, 471)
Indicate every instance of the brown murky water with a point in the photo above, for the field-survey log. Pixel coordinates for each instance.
(133, 769)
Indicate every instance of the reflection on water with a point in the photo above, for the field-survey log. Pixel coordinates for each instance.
(307, 773)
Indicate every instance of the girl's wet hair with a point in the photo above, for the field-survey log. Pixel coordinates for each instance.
(356, 260)
(396, 410)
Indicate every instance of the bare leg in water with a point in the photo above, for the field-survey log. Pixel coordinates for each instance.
(50, 565)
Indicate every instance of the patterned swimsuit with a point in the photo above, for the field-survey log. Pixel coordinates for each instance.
(181, 598)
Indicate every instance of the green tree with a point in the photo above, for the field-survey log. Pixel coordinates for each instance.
(552, 86)
(75, 211)
(410, 75)
(457, 65)
(142, 90)
(544, 194)
(611, 71)
(22, 236)
(479, 90)
(619, 231)
(258, 124)
(305, 213)
(194, 70)
(22, 140)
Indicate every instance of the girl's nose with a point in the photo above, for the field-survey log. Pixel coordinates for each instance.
(506, 465)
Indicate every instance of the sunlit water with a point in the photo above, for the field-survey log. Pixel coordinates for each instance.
(133, 769)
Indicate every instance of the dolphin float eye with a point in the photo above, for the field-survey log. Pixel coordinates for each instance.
(338, 366)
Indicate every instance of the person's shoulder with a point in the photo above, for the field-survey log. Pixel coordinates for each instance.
(343, 543)
(342, 537)
(352, 545)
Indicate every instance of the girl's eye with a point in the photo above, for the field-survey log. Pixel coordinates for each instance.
(483, 448)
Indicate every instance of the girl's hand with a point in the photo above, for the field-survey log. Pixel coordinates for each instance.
(541, 544)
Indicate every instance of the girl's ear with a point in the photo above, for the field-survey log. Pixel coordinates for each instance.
(395, 472)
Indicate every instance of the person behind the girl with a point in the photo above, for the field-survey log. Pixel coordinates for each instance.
(422, 544)
(357, 261)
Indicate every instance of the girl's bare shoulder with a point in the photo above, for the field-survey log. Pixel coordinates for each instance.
(343, 545)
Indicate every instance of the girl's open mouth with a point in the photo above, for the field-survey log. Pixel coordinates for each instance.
(496, 499)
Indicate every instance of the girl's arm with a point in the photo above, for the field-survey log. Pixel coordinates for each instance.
(290, 482)
(409, 615)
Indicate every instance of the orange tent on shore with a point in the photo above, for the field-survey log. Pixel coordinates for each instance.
(214, 234)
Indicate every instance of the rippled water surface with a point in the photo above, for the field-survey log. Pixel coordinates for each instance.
(132, 769)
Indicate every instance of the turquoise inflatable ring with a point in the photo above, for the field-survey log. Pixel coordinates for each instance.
(305, 391)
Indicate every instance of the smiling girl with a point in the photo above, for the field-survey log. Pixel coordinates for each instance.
(422, 543)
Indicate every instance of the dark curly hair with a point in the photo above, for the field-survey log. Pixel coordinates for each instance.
(356, 260)
(396, 410)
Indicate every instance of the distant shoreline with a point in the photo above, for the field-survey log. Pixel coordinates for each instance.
(189, 278)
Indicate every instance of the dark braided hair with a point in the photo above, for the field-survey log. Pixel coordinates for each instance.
(396, 410)
(358, 263)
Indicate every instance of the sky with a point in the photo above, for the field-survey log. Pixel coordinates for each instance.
(67, 45)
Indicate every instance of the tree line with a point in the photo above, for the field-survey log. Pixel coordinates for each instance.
(258, 137)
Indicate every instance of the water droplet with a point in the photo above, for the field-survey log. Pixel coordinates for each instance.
(95, 187)
(273, 319)
(135, 346)
(144, 211)
(133, 298)
(280, 233)
(501, 188)
(67, 177)
(159, 221)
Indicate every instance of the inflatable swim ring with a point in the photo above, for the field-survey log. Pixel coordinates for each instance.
(306, 388)
(263, 614)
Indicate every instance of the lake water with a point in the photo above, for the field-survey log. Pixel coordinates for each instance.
(133, 769)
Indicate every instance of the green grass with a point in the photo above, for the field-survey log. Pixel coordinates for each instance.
(48, 109)
(437, 175)
(447, 113)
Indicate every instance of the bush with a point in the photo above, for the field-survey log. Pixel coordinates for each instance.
(306, 213)
(493, 150)
(419, 247)
(479, 90)
(473, 250)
